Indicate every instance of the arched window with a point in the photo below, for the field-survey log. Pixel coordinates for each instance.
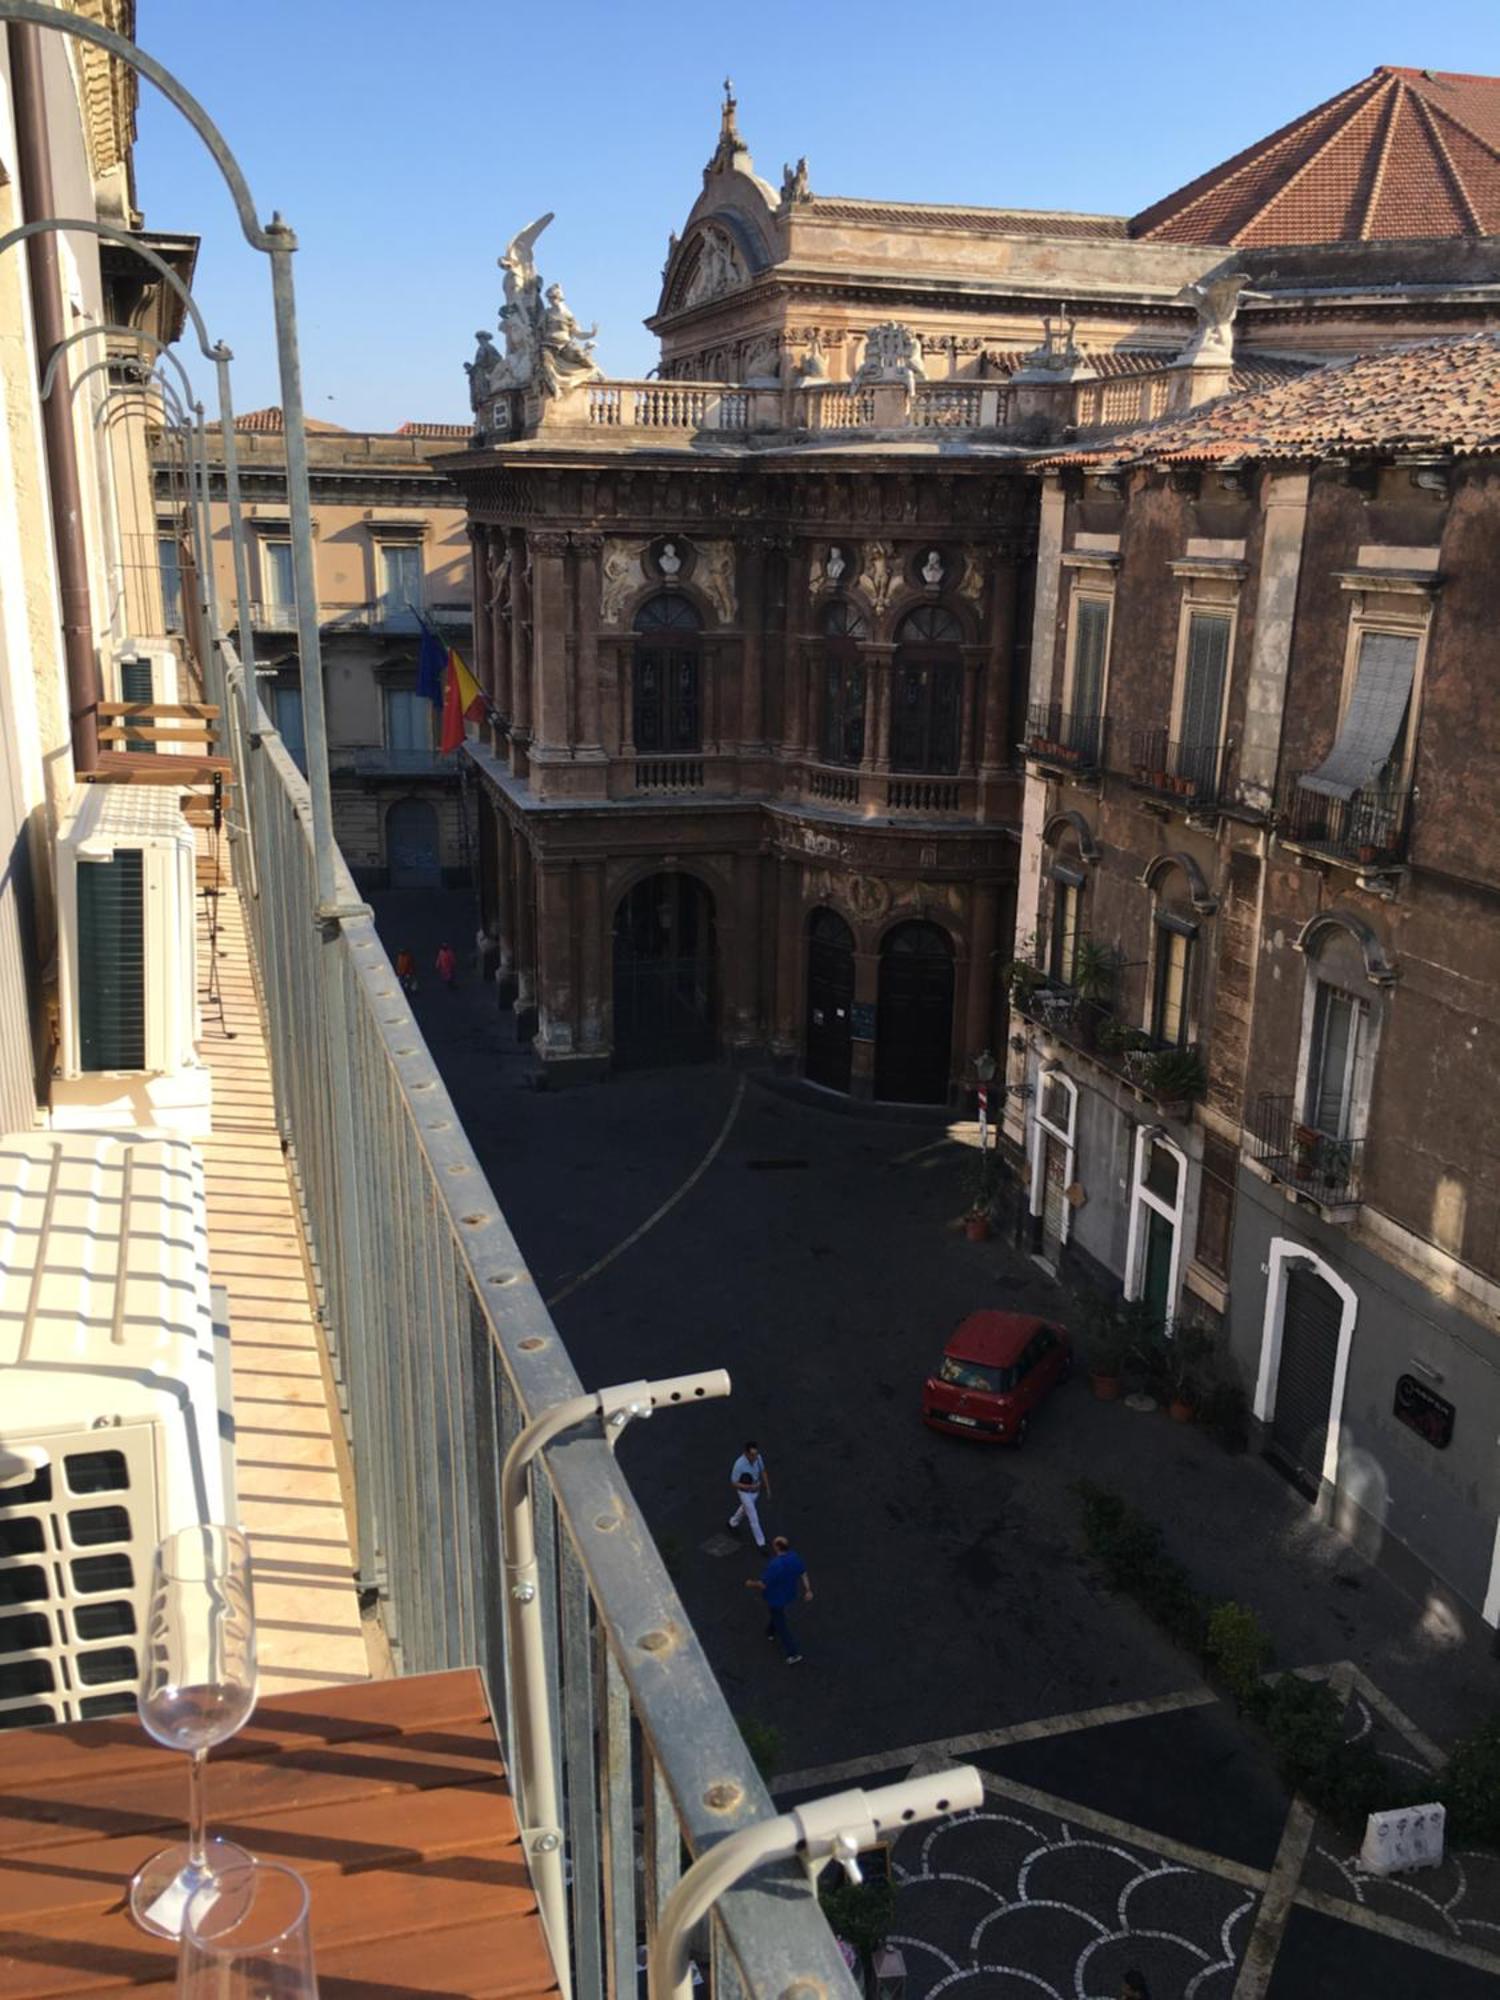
(843, 735)
(667, 712)
(925, 691)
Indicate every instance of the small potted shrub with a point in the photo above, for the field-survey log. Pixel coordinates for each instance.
(1108, 1343)
(1176, 1075)
(983, 1188)
(1187, 1355)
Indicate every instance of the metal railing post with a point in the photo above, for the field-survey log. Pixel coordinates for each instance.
(831, 1829)
(532, 1752)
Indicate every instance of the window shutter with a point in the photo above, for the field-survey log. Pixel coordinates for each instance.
(112, 963)
(1090, 631)
(1203, 691)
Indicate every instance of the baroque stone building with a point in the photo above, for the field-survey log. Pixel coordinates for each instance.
(756, 632)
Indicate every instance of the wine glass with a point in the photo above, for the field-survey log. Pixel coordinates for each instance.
(197, 1688)
(246, 1936)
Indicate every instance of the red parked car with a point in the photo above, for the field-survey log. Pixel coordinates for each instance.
(995, 1371)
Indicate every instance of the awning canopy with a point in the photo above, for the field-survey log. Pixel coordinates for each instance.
(1372, 721)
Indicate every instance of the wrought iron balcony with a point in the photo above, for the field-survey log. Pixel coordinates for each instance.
(1366, 830)
(1060, 738)
(1169, 1073)
(1188, 774)
(1325, 1169)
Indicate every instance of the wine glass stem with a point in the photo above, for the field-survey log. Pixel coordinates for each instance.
(197, 1853)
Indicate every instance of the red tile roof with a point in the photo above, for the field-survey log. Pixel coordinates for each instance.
(1440, 395)
(1405, 152)
(434, 431)
(270, 420)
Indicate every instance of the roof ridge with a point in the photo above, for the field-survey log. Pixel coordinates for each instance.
(1434, 75)
(1442, 111)
(1377, 181)
(968, 207)
(1445, 161)
(1337, 131)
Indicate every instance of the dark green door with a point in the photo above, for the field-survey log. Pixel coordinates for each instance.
(1156, 1283)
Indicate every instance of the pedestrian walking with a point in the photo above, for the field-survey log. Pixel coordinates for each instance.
(406, 968)
(447, 965)
(779, 1581)
(751, 1483)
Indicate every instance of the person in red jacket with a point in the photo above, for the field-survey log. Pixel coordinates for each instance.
(447, 965)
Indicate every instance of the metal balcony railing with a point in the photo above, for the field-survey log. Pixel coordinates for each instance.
(445, 1353)
(375, 760)
(1188, 774)
(1056, 736)
(1367, 830)
(1170, 1073)
(1326, 1169)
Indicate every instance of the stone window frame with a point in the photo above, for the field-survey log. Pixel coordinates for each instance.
(1142, 1197)
(1043, 1128)
(1313, 943)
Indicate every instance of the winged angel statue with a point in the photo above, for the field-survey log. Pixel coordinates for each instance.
(544, 345)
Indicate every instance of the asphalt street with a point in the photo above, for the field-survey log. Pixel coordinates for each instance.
(814, 1259)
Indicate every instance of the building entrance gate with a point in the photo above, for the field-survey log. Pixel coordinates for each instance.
(1304, 1381)
(411, 845)
(830, 1000)
(914, 1017)
(664, 980)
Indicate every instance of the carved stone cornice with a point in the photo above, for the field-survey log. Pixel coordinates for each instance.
(547, 542)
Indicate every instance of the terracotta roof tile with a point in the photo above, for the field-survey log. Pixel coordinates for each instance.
(1403, 153)
(1442, 394)
(435, 431)
(270, 420)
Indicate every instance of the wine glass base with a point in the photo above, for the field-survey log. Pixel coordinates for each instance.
(161, 1887)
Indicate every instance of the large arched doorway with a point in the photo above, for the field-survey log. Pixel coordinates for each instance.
(830, 1000)
(412, 853)
(914, 1017)
(664, 984)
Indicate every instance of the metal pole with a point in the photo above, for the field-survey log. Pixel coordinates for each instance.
(831, 1829)
(535, 1771)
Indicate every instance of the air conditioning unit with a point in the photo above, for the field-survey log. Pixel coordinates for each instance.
(116, 1423)
(127, 965)
(149, 670)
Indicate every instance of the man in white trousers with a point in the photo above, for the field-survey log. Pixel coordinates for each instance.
(750, 1482)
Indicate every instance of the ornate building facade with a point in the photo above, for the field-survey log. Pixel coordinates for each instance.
(756, 633)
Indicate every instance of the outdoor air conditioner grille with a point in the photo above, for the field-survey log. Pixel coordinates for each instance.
(112, 949)
(75, 1555)
(135, 685)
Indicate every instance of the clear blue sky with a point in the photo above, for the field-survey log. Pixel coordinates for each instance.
(406, 143)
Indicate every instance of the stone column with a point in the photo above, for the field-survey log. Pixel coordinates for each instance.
(742, 983)
(625, 677)
(586, 581)
(525, 905)
(785, 1038)
(520, 637)
(549, 638)
(555, 984)
(798, 652)
(979, 1008)
(879, 692)
(751, 729)
(966, 731)
(505, 913)
(484, 668)
(593, 1000)
(995, 751)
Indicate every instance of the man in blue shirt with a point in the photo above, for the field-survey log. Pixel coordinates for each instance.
(779, 1582)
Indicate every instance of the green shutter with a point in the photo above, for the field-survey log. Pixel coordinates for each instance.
(1203, 695)
(112, 963)
(135, 685)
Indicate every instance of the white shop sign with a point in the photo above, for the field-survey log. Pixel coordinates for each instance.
(1410, 1837)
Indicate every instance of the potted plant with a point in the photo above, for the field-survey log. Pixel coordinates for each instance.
(1306, 1141)
(1187, 1353)
(1023, 979)
(861, 1912)
(1108, 1343)
(1094, 968)
(1175, 1075)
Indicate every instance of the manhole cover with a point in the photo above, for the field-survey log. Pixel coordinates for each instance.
(721, 1545)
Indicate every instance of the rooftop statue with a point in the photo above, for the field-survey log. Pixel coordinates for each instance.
(1216, 300)
(794, 183)
(893, 353)
(545, 347)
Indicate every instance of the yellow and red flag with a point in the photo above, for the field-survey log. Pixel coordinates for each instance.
(463, 701)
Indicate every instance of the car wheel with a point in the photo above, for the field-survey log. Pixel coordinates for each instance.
(1021, 1429)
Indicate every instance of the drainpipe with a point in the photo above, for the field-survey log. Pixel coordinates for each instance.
(49, 324)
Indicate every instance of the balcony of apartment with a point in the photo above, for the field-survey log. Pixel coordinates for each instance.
(1069, 745)
(865, 793)
(1318, 1166)
(1364, 830)
(1188, 777)
(379, 760)
(1089, 1019)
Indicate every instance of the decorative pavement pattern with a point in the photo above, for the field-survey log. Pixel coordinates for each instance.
(1156, 1836)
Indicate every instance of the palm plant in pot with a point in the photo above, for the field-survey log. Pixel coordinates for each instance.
(1188, 1353)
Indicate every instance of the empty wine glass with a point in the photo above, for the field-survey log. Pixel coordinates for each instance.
(197, 1688)
(246, 1936)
